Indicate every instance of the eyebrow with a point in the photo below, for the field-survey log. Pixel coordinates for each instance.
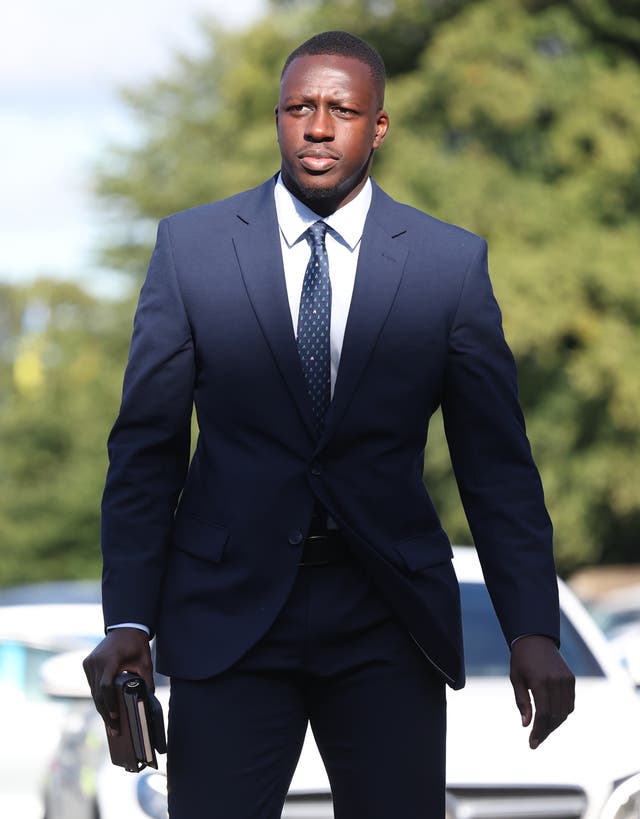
(333, 96)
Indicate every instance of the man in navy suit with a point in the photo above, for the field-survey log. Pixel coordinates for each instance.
(296, 571)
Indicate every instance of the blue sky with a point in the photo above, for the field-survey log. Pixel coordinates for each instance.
(61, 64)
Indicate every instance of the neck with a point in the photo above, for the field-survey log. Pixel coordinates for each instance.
(327, 201)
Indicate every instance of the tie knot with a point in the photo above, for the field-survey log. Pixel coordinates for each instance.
(316, 234)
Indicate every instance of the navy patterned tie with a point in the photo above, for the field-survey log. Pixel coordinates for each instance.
(314, 323)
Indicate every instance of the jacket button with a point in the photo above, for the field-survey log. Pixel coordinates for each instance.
(316, 469)
(296, 537)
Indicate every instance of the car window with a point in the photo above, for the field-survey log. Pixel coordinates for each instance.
(20, 670)
(612, 621)
(486, 651)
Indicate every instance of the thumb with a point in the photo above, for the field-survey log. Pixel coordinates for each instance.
(523, 701)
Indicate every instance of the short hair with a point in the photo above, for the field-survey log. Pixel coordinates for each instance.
(342, 44)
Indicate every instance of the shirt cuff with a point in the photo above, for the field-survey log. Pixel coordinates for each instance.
(532, 634)
(130, 625)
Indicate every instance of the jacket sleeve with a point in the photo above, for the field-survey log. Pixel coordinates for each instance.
(148, 446)
(498, 481)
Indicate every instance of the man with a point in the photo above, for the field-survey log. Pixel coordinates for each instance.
(296, 570)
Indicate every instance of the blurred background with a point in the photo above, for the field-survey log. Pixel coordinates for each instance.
(517, 119)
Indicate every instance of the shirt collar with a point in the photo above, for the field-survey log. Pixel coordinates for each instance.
(347, 222)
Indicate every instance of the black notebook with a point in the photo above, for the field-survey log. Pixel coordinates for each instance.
(141, 725)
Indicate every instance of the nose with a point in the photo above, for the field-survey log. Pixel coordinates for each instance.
(319, 126)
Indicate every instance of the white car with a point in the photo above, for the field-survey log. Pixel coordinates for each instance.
(617, 609)
(36, 623)
(618, 615)
(588, 769)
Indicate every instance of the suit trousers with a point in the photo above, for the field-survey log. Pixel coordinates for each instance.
(336, 657)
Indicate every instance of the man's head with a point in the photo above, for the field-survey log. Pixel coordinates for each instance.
(330, 118)
(343, 44)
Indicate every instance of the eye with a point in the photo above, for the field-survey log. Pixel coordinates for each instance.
(342, 111)
(298, 108)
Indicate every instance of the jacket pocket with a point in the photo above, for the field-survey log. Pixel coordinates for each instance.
(200, 538)
(423, 551)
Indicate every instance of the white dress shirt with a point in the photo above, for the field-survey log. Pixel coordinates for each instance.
(346, 227)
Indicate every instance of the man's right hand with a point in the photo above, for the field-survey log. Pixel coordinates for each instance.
(123, 649)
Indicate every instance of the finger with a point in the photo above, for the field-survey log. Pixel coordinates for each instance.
(148, 678)
(147, 674)
(106, 701)
(562, 692)
(88, 671)
(558, 704)
(523, 701)
(86, 666)
(93, 674)
(542, 723)
(568, 689)
(571, 693)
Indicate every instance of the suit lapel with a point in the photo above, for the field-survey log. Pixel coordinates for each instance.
(259, 255)
(380, 266)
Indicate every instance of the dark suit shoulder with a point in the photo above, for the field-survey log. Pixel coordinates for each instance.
(422, 227)
(221, 212)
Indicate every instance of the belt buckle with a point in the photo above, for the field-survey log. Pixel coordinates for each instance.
(315, 562)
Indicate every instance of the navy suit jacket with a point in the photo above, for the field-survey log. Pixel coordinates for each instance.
(206, 553)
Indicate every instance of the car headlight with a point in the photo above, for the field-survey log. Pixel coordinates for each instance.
(624, 802)
(152, 794)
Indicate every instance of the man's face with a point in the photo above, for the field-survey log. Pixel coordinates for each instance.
(329, 121)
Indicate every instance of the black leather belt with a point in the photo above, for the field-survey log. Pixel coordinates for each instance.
(322, 548)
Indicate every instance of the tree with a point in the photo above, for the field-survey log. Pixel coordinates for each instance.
(532, 139)
(520, 120)
(60, 375)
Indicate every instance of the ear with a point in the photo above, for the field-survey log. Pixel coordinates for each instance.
(382, 126)
(275, 114)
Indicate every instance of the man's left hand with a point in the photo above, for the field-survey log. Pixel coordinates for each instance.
(537, 666)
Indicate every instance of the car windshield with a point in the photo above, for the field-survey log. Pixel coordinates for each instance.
(486, 652)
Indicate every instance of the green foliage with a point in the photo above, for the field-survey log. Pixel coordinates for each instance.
(532, 139)
(518, 119)
(61, 369)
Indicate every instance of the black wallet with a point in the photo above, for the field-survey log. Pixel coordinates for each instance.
(141, 725)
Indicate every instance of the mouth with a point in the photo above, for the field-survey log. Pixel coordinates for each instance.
(317, 161)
